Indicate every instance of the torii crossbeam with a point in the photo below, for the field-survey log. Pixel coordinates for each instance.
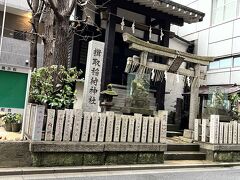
(176, 58)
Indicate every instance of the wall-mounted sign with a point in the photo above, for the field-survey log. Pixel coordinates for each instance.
(14, 87)
(92, 84)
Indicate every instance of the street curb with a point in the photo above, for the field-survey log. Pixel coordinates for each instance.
(54, 170)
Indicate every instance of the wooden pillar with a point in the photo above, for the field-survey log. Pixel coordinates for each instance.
(76, 52)
(146, 33)
(161, 86)
(194, 99)
(76, 46)
(108, 49)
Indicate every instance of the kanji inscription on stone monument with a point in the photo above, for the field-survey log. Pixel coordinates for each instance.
(93, 74)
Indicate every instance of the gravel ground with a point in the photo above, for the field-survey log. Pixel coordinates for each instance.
(9, 136)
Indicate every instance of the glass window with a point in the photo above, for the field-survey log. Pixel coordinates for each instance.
(230, 10)
(224, 10)
(225, 63)
(214, 65)
(236, 61)
(218, 15)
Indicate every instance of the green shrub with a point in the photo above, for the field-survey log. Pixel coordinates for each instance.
(54, 86)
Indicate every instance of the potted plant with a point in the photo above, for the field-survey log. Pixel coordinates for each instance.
(12, 122)
(16, 123)
(8, 119)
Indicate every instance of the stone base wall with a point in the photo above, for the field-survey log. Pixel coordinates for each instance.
(221, 153)
(222, 156)
(95, 153)
(15, 154)
(49, 154)
(88, 159)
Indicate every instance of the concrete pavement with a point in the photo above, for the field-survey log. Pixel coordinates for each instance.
(168, 165)
(220, 173)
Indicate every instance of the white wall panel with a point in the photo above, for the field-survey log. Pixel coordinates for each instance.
(178, 45)
(203, 43)
(206, 7)
(192, 37)
(235, 77)
(218, 78)
(236, 31)
(236, 45)
(220, 48)
(18, 4)
(221, 32)
(187, 29)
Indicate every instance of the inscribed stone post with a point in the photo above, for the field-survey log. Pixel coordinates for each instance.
(221, 135)
(238, 133)
(124, 128)
(102, 125)
(86, 126)
(94, 127)
(156, 136)
(214, 129)
(92, 85)
(27, 118)
(230, 133)
(150, 130)
(38, 123)
(109, 129)
(197, 129)
(138, 127)
(205, 122)
(50, 124)
(131, 129)
(68, 125)
(59, 125)
(117, 128)
(225, 139)
(235, 132)
(163, 115)
(144, 130)
(32, 118)
(77, 125)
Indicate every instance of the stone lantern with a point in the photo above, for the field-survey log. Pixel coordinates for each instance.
(108, 95)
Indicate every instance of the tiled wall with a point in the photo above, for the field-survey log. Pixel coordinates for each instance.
(219, 40)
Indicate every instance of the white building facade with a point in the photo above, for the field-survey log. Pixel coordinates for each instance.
(217, 35)
(16, 40)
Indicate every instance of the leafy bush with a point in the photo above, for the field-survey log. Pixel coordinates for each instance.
(12, 118)
(234, 100)
(53, 86)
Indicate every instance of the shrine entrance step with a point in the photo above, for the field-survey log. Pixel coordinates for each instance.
(184, 152)
(174, 133)
(173, 130)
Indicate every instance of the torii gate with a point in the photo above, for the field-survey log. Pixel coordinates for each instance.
(176, 58)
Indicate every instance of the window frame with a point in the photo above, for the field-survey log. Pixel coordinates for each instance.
(219, 60)
(237, 12)
(234, 63)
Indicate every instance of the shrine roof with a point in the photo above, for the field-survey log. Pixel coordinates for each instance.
(188, 15)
